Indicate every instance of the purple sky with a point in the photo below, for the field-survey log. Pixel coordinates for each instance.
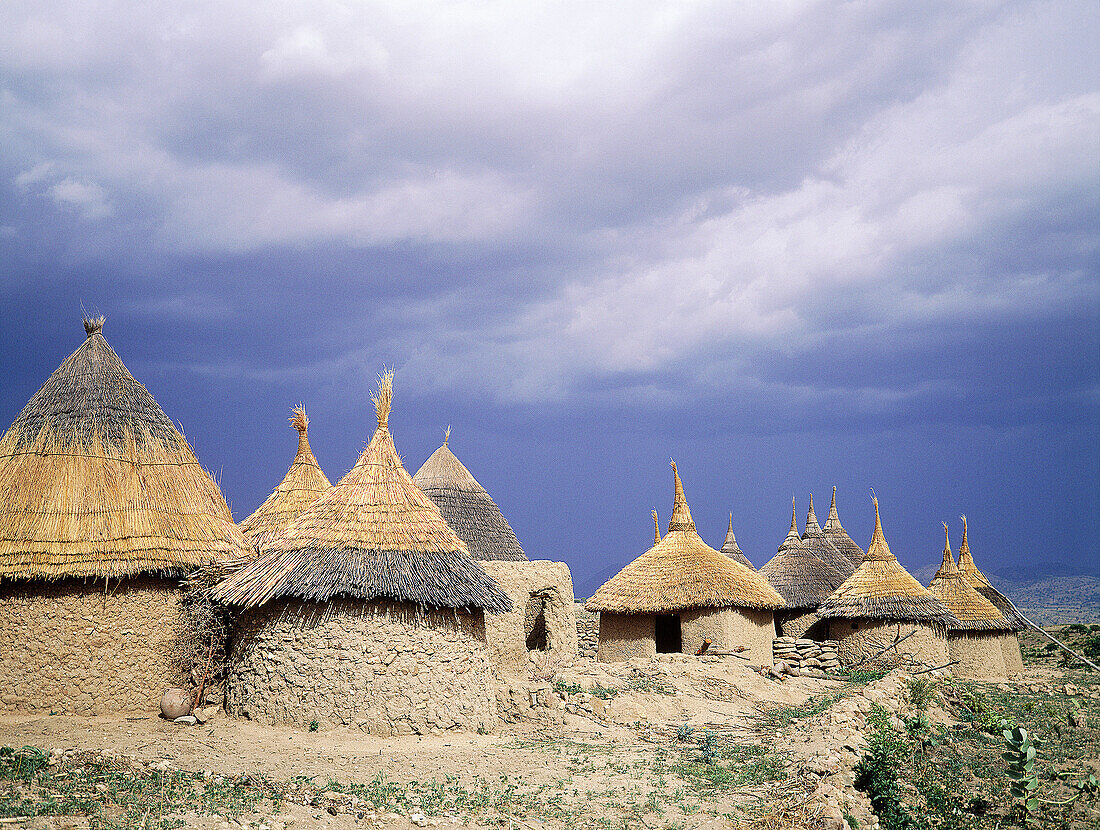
(789, 244)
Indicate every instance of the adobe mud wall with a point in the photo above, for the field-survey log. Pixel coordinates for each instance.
(547, 585)
(69, 646)
(796, 623)
(384, 668)
(979, 654)
(863, 638)
(727, 629)
(623, 636)
(1010, 649)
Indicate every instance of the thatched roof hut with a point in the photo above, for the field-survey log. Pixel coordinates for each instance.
(882, 614)
(983, 586)
(732, 550)
(682, 571)
(836, 534)
(973, 611)
(980, 646)
(467, 507)
(682, 592)
(813, 537)
(302, 485)
(99, 483)
(802, 579)
(372, 535)
(882, 589)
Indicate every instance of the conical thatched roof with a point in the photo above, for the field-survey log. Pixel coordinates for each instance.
(974, 612)
(98, 483)
(836, 534)
(813, 537)
(682, 571)
(302, 485)
(882, 589)
(983, 586)
(468, 509)
(656, 528)
(802, 579)
(373, 535)
(730, 548)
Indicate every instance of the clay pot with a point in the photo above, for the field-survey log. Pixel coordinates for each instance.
(175, 704)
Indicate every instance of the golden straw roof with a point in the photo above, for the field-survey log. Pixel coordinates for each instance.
(656, 528)
(302, 485)
(836, 534)
(983, 586)
(373, 535)
(467, 507)
(974, 612)
(802, 579)
(682, 571)
(731, 549)
(98, 483)
(882, 589)
(813, 537)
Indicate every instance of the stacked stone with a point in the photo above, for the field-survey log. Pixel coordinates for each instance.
(806, 654)
(588, 631)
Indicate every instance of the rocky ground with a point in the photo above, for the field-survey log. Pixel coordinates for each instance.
(675, 742)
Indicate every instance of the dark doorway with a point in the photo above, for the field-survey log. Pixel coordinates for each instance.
(666, 631)
(818, 631)
(534, 623)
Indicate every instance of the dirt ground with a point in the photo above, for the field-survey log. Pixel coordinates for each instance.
(582, 761)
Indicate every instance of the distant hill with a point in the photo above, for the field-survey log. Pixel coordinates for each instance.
(1047, 599)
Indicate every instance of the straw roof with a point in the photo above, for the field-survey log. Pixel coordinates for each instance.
(974, 612)
(882, 589)
(813, 537)
(836, 534)
(682, 571)
(980, 583)
(802, 579)
(730, 548)
(302, 485)
(468, 509)
(373, 535)
(656, 528)
(99, 483)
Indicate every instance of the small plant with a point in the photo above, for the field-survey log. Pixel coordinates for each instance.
(921, 690)
(708, 746)
(565, 689)
(604, 692)
(683, 733)
(314, 726)
(1020, 756)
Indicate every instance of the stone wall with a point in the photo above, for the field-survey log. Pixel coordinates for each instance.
(531, 585)
(588, 631)
(729, 629)
(385, 668)
(70, 646)
(979, 654)
(796, 623)
(624, 636)
(858, 639)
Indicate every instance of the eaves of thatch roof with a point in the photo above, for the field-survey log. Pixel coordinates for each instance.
(681, 572)
(99, 483)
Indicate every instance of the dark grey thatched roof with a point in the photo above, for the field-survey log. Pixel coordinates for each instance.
(836, 534)
(374, 535)
(802, 579)
(814, 539)
(467, 507)
(882, 589)
(731, 549)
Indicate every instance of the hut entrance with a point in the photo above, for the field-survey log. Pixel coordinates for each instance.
(666, 631)
(534, 622)
(818, 631)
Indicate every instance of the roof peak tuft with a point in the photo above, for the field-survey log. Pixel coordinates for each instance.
(94, 325)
